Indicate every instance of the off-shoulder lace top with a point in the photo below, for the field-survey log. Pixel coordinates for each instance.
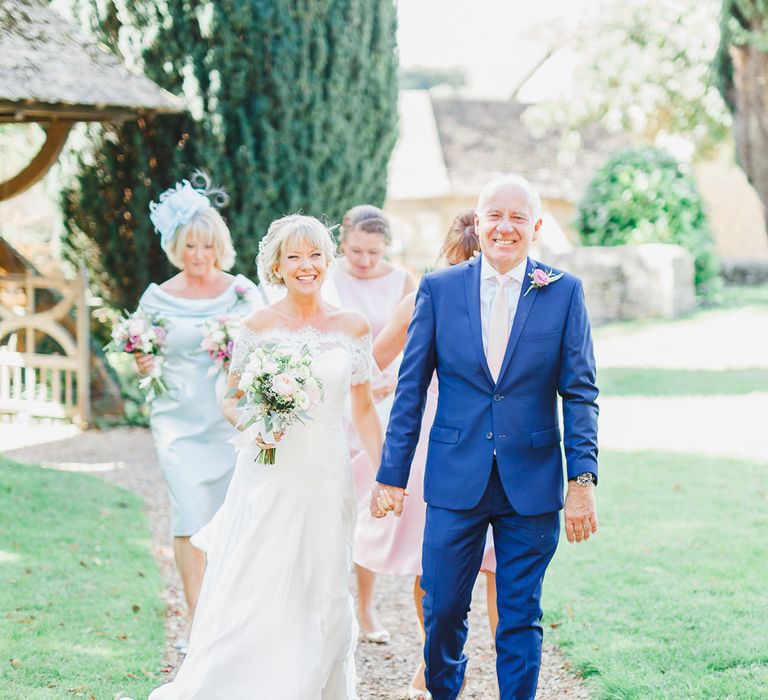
(360, 348)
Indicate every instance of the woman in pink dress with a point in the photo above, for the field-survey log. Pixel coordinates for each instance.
(372, 286)
(397, 549)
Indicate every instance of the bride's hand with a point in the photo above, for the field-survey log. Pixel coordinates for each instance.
(275, 436)
(385, 498)
(382, 387)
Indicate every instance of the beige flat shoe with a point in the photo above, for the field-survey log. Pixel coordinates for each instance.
(377, 636)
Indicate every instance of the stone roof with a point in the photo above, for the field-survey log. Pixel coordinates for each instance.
(482, 138)
(48, 67)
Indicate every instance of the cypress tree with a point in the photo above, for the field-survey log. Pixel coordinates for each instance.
(295, 109)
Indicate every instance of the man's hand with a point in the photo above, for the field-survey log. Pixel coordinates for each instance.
(385, 498)
(580, 512)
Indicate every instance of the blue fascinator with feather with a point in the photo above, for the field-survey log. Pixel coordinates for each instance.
(176, 206)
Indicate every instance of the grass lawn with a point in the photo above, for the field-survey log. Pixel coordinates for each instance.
(738, 296)
(81, 614)
(669, 601)
(641, 381)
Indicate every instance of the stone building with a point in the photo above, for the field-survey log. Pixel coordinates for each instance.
(449, 147)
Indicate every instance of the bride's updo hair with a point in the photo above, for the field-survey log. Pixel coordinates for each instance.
(288, 229)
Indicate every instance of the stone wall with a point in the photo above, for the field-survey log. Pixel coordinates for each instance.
(654, 280)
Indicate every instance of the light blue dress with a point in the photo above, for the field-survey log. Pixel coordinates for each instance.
(188, 427)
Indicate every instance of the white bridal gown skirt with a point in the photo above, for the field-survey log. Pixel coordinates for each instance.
(275, 619)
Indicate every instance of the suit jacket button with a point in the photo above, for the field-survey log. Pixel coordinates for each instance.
(497, 397)
(489, 436)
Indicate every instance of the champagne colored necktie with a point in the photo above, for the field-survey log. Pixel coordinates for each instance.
(498, 329)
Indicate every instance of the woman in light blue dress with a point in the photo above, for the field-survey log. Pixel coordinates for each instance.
(190, 433)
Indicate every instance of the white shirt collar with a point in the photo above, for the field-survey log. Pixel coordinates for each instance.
(488, 271)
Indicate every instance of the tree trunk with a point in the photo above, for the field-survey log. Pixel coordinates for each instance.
(750, 115)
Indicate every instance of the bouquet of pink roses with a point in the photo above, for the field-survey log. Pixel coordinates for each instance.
(141, 332)
(218, 341)
(279, 387)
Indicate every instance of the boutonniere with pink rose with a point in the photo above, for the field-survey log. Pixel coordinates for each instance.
(539, 278)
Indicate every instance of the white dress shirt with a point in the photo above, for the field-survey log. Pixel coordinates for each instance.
(488, 288)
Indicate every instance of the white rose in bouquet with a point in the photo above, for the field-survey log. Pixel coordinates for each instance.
(278, 389)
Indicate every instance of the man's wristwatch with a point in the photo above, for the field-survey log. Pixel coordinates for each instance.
(585, 478)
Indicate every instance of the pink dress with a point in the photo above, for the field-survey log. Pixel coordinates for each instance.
(376, 300)
(389, 545)
(393, 545)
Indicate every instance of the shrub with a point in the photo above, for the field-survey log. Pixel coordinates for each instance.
(643, 195)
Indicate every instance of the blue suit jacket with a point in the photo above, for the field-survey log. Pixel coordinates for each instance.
(549, 353)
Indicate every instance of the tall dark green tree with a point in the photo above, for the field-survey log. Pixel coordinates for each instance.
(295, 108)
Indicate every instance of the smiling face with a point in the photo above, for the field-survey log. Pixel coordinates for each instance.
(507, 223)
(302, 266)
(198, 257)
(364, 252)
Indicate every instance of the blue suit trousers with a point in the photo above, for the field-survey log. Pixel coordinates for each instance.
(453, 549)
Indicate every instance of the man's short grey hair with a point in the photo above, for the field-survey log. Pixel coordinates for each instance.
(533, 196)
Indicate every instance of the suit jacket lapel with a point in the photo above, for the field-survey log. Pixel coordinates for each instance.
(523, 311)
(472, 285)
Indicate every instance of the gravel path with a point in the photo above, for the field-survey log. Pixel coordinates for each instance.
(126, 456)
(715, 425)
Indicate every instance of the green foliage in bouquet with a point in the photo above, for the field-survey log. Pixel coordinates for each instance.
(643, 195)
(293, 107)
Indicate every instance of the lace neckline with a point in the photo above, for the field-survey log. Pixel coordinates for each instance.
(308, 332)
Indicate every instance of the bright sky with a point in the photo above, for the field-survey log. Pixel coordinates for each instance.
(495, 40)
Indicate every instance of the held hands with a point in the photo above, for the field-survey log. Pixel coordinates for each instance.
(145, 363)
(580, 512)
(385, 498)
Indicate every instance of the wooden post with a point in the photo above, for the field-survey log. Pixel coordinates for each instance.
(29, 291)
(84, 350)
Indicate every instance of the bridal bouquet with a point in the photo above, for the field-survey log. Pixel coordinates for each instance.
(145, 333)
(278, 388)
(218, 341)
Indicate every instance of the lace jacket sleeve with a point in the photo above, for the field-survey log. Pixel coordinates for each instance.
(362, 359)
(245, 342)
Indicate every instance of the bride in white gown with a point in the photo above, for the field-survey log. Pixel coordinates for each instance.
(275, 619)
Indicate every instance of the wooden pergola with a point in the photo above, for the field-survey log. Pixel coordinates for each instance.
(51, 73)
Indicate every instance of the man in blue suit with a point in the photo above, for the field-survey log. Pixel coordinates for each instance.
(506, 337)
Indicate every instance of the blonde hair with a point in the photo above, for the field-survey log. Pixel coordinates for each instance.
(284, 230)
(208, 228)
